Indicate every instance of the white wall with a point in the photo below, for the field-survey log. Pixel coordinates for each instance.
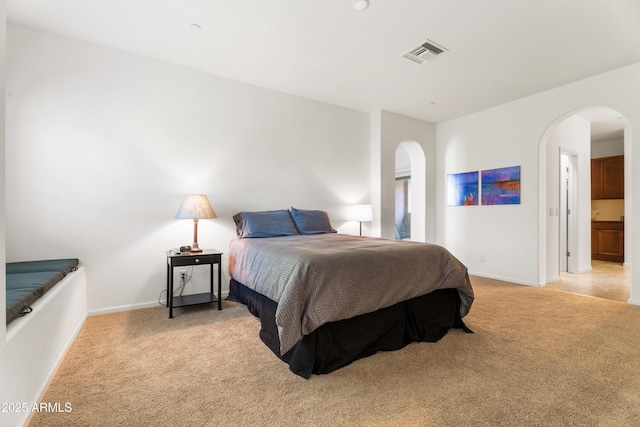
(573, 135)
(501, 235)
(513, 237)
(607, 148)
(3, 284)
(628, 206)
(103, 145)
(403, 162)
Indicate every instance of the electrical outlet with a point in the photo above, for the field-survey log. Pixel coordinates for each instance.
(183, 275)
(482, 258)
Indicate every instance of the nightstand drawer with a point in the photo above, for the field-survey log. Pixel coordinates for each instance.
(196, 259)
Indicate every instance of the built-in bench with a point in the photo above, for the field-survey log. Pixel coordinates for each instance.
(36, 342)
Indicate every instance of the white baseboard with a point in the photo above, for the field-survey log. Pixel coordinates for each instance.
(130, 307)
(120, 308)
(505, 279)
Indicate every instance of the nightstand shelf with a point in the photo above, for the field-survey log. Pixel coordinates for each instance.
(208, 257)
(194, 299)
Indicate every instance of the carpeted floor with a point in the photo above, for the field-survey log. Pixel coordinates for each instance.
(538, 357)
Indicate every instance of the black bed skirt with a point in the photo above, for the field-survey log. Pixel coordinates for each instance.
(336, 344)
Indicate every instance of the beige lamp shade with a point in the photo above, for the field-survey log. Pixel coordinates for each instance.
(195, 206)
(361, 213)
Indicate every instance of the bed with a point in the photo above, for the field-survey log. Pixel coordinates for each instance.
(27, 281)
(326, 299)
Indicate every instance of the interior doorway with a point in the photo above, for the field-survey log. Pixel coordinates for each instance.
(568, 212)
(565, 204)
(402, 192)
(410, 181)
(606, 280)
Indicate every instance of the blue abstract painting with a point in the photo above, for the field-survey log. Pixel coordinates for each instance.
(462, 189)
(501, 186)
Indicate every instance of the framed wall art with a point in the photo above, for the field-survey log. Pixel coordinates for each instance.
(462, 189)
(501, 186)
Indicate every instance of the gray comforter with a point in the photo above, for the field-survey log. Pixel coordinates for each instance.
(322, 278)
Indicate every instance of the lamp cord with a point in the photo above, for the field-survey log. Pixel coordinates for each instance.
(179, 289)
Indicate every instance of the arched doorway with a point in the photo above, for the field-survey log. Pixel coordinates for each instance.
(570, 138)
(402, 192)
(410, 180)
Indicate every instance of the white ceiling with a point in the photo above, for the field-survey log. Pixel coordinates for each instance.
(499, 50)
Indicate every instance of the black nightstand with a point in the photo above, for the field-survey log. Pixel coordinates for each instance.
(206, 257)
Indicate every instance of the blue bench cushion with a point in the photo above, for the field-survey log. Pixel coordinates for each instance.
(64, 266)
(42, 279)
(28, 281)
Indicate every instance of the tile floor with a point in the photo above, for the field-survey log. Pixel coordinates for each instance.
(607, 280)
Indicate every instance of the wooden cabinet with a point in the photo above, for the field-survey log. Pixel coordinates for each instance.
(607, 178)
(607, 240)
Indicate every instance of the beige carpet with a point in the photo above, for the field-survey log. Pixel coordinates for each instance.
(538, 357)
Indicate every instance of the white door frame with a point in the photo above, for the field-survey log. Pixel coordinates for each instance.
(568, 211)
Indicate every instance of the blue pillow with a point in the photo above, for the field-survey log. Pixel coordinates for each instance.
(311, 222)
(264, 224)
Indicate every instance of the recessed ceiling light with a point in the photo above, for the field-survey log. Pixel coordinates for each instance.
(360, 4)
(195, 27)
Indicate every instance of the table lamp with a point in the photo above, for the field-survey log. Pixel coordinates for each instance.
(195, 206)
(361, 213)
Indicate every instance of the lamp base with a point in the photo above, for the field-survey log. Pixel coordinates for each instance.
(195, 248)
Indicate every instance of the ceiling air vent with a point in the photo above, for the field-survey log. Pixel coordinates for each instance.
(425, 52)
